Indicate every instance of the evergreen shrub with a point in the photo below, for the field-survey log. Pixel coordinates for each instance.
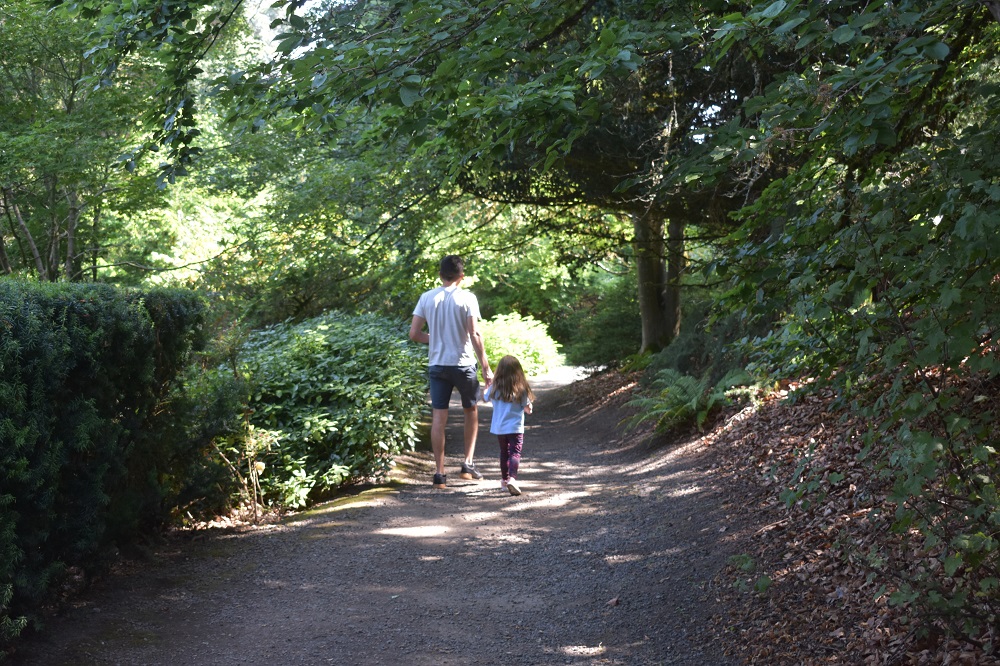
(82, 370)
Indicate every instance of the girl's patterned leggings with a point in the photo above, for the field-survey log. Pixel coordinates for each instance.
(510, 454)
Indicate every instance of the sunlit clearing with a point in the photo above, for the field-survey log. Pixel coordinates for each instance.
(621, 559)
(552, 464)
(481, 516)
(656, 464)
(555, 500)
(583, 650)
(422, 531)
(352, 504)
(559, 466)
(513, 538)
(693, 489)
(669, 552)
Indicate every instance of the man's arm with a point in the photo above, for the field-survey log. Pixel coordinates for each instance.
(479, 347)
(417, 332)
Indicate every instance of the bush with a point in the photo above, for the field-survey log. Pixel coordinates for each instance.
(324, 403)
(207, 410)
(524, 338)
(609, 329)
(708, 343)
(679, 400)
(82, 371)
(537, 281)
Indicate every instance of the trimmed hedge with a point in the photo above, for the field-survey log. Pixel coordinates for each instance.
(82, 370)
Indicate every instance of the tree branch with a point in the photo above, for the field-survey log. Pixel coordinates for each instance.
(561, 27)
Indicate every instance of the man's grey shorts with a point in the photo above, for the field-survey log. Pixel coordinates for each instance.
(444, 378)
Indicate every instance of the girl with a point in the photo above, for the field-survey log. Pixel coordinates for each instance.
(511, 397)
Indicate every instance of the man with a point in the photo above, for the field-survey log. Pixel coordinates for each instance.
(454, 345)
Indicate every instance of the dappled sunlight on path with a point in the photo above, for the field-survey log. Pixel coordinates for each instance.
(603, 559)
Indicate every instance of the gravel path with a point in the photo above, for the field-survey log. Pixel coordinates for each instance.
(605, 558)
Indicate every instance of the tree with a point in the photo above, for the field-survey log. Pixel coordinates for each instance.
(556, 112)
(544, 103)
(879, 255)
(60, 144)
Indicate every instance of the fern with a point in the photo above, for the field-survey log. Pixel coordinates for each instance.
(677, 400)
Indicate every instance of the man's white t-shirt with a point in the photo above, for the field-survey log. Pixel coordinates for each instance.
(447, 311)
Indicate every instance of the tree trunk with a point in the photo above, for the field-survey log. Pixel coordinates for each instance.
(95, 249)
(652, 274)
(39, 264)
(55, 235)
(676, 265)
(4, 259)
(72, 221)
(13, 228)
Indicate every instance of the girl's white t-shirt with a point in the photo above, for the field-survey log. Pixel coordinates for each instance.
(508, 417)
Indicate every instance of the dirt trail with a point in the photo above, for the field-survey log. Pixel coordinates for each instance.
(605, 559)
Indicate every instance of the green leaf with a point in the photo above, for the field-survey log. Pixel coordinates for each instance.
(788, 26)
(774, 9)
(446, 67)
(844, 34)
(878, 95)
(886, 136)
(806, 40)
(952, 563)
(409, 95)
(289, 44)
(937, 51)
(763, 584)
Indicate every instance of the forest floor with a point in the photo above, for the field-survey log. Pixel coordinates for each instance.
(625, 548)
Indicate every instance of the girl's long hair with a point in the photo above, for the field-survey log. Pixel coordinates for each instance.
(509, 382)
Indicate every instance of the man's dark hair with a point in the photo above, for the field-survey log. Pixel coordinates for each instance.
(452, 267)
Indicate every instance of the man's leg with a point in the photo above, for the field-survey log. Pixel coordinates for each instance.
(468, 386)
(439, 419)
(471, 431)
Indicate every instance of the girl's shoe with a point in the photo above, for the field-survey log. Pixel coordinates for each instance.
(503, 484)
(512, 486)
